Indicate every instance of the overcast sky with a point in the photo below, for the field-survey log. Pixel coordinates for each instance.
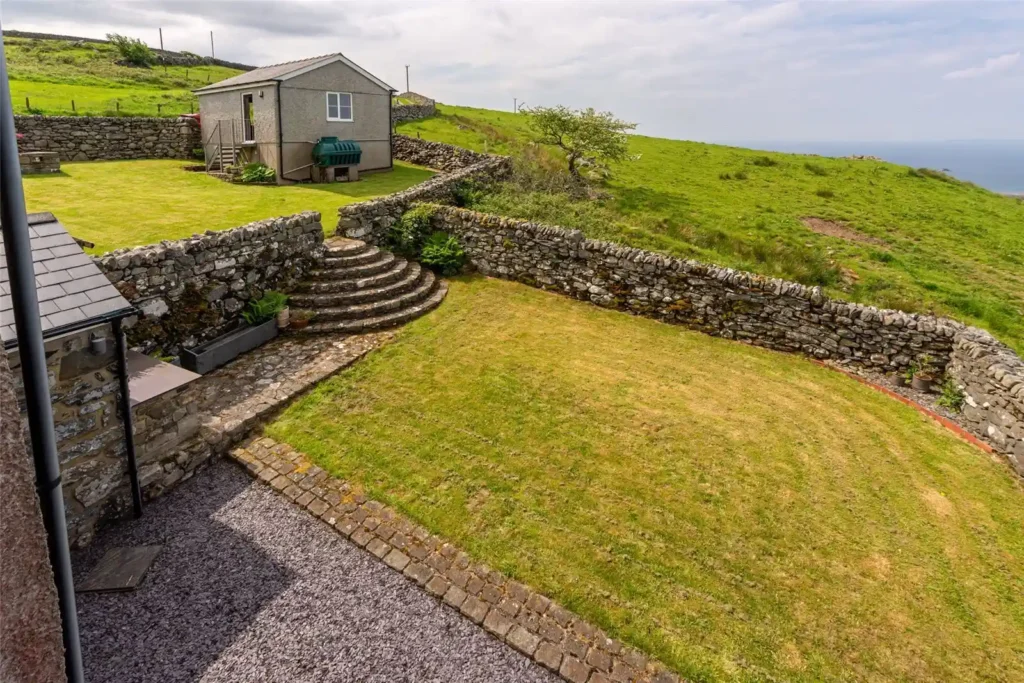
(716, 71)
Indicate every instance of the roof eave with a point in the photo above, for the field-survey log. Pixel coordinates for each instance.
(212, 89)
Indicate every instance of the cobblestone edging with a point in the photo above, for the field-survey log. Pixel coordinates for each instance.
(93, 138)
(194, 289)
(510, 611)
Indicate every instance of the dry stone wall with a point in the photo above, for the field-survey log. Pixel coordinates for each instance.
(371, 220)
(194, 289)
(412, 112)
(92, 138)
(992, 378)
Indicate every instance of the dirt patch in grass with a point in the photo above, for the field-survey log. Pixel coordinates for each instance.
(834, 229)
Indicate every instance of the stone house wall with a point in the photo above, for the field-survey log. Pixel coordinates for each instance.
(92, 138)
(194, 289)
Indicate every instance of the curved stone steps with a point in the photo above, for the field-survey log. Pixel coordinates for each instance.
(411, 273)
(398, 270)
(384, 321)
(368, 255)
(385, 261)
(339, 247)
(377, 308)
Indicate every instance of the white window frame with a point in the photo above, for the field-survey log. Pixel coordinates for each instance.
(351, 107)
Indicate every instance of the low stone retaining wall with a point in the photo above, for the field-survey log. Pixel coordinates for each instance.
(38, 162)
(92, 138)
(194, 289)
(992, 377)
(371, 220)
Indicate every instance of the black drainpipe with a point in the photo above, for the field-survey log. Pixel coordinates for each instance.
(18, 249)
(280, 132)
(126, 416)
(391, 129)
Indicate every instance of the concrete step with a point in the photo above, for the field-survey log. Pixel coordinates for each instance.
(410, 278)
(375, 309)
(380, 322)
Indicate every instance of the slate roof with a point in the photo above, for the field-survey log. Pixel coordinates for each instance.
(71, 289)
(285, 70)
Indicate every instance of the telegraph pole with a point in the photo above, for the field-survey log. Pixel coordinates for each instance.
(407, 78)
(212, 54)
(161, 38)
(515, 105)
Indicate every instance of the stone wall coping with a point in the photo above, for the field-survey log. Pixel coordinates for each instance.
(111, 119)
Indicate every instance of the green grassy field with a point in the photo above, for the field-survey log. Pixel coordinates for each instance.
(52, 73)
(926, 243)
(127, 203)
(743, 515)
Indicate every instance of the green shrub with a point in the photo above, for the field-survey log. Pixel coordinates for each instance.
(197, 153)
(466, 193)
(765, 161)
(132, 50)
(952, 396)
(443, 254)
(259, 311)
(724, 176)
(825, 193)
(408, 235)
(258, 173)
(815, 169)
(739, 175)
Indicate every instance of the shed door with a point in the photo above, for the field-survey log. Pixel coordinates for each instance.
(248, 129)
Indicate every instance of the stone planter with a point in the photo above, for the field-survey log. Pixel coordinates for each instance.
(216, 352)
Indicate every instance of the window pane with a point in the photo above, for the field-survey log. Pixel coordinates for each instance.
(332, 105)
(346, 113)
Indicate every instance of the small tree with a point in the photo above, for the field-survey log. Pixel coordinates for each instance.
(582, 133)
(133, 51)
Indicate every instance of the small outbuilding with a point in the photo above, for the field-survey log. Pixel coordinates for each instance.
(277, 114)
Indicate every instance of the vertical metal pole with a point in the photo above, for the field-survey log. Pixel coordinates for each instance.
(126, 416)
(407, 78)
(161, 38)
(18, 249)
(212, 53)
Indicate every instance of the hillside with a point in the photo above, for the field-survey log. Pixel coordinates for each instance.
(51, 73)
(866, 231)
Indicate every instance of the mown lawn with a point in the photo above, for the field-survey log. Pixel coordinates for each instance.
(52, 73)
(127, 203)
(741, 514)
(938, 245)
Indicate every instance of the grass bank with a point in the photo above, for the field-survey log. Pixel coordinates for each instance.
(741, 514)
(47, 75)
(127, 203)
(889, 235)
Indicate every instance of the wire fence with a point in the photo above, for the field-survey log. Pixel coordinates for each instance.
(47, 106)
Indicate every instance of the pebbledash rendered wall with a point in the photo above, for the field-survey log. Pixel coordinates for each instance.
(194, 289)
(94, 138)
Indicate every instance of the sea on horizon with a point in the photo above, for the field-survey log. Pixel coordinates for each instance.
(996, 165)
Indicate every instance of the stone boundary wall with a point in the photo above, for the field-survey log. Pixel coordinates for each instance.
(412, 112)
(992, 378)
(371, 220)
(776, 314)
(93, 138)
(194, 289)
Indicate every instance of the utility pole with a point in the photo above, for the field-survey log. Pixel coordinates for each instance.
(212, 54)
(161, 38)
(407, 78)
(515, 105)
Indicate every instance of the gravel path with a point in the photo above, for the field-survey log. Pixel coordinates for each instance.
(248, 588)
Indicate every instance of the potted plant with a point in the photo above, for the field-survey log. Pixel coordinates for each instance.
(300, 319)
(260, 326)
(905, 379)
(282, 318)
(924, 375)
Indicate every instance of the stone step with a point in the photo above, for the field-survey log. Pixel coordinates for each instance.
(396, 272)
(383, 321)
(343, 246)
(384, 262)
(409, 280)
(379, 308)
(368, 255)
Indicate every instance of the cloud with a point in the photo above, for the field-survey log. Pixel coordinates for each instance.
(729, 70)
(992, 65)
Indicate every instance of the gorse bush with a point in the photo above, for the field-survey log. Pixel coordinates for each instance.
(132, 50)
(410, 232)
(815, 169)
(825, 193)
(442, 253)
(257, 173)
(765, 161)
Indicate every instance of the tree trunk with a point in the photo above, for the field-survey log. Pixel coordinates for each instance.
(573, 171)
